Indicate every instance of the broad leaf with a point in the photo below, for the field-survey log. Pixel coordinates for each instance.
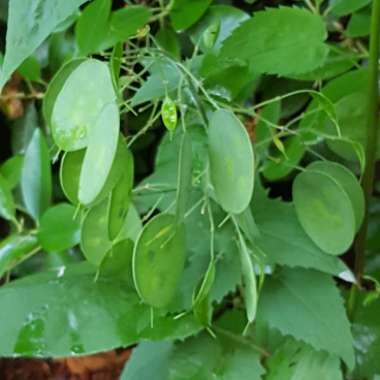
(7, 205)
(29, 23)
(56, 314)
(185, 13)
(307, 305)
(36, 181)
(279, 41)
(59, 230)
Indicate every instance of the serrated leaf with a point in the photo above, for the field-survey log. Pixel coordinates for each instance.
(279, 41)
(55, 314)
(307, 305)
(284, 241)
(29, 23)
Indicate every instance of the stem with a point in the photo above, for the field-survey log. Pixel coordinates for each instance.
(372, 132)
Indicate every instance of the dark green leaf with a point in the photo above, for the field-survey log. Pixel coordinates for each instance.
(307, 305)
(185, 13)
(7, 205)
(36, 180)
(56, 314)
(59, 228)
(29, 23)
(11, 170)
(279, 41)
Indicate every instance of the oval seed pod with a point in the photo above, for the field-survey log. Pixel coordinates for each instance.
(169, 114)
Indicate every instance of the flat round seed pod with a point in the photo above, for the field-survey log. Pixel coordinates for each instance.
(325, 211)
(349, 183)
(77, 106)
(231, 161)
(69, 172)
(158, 260)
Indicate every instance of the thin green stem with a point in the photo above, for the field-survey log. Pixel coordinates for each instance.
(372, 132)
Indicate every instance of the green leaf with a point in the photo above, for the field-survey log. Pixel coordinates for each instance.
(149, 360)
(125, 23)
(7, 205)
(185, 13)
(307, 305)
(279, 41)
(280, 164)
(15, 248)
(167, 39)
(58, 229)
(227, 18)
(29, 23)
(100, 154)
(359, 24)
(232, 164)
(11, 170)
(344, 7)
(30, 69)
(184, 177)
(295, 361)
(348, 181)
(55, 314)
(36, 180)
(324, 210)
(94, 241)
(55, 86)
(158, 260)
(366, 331)
(79, 103)
(284, 241)
(92, 26)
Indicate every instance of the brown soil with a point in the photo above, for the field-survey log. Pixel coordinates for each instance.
(105, 366)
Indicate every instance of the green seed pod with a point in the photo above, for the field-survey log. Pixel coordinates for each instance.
(169, 114)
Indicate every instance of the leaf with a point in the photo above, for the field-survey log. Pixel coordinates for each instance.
(167, 39)
(359, 24)
(59, 230)
(36, 180)
(69, 173)
(284, 241)
(231, 165)
(149, 360)
(92, 26)
(307, 305)
(15, 248)
(324, 210)
(30, 69)
(227, 18)
(79, 103)
(344, 7)
(366, 332)
(185, 13)
(55, 314)
(158, 260)
(295, 361)
(184, 177)
(280, 165)
(279, 41)
(7, 205)
(29, 23)
(10, 170)
(100, 154)
(348, 181)
(94, 241)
